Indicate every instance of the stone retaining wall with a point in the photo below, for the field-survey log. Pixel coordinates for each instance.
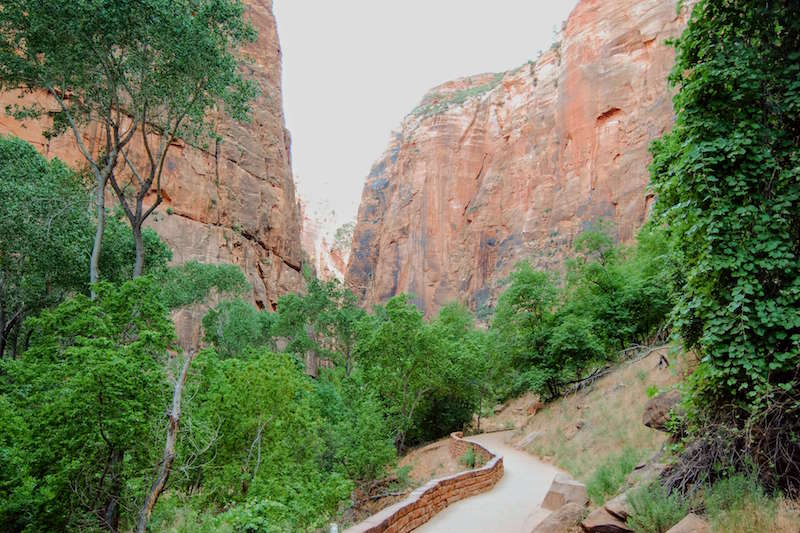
(423, 503)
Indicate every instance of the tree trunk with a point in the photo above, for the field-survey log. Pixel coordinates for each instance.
(138, 265)
(400, 442)
(169, 449)
(480, 409)
(100, 206)
(111, 515)
(2, 330)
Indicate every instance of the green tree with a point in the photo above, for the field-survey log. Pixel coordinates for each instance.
(45, 238)
(523, 316)
(727, 179)
(262, 446)
(192, 282)
(464, 367)
(401, 360)
(323, 320)
(153, 66)
(88, 389)
(358, 439)
(235, 325)
(42, 206)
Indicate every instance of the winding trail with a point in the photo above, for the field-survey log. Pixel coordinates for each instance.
(512, 506)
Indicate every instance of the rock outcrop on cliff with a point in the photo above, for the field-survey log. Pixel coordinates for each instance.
(495, 168)
(326, 246)
(232, 202)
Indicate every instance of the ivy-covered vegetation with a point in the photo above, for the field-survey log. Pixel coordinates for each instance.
(727, 179)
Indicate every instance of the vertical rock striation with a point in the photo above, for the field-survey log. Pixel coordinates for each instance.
(326, 255)
(230, 202)
(495, 168)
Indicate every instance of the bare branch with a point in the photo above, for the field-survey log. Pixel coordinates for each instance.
(75, 130)
(169, 448)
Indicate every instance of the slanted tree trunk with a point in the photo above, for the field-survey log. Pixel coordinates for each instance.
(167, 458)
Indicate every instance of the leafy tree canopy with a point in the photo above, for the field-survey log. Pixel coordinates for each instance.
(82, 401)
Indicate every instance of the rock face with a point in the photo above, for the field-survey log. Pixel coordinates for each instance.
(495, 168)
(233, 202)
(657, 410)
(691, 524)
(566, 518)
(326, 247)
(565, 490)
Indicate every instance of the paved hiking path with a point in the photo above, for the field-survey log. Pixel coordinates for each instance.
(512, 506)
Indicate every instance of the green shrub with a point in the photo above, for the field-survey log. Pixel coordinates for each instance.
(740, 504)
(653, 511)
(610, 476)
(403, 475)
(468, 458)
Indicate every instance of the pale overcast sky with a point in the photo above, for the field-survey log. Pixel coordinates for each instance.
(352, 69)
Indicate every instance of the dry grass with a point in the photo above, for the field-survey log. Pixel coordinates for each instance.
(430, 461)
(583, 431)
(781, 516)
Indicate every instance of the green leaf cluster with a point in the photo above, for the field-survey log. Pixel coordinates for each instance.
(46, 237)
(258, 442)
(727, 180)
(80, 407)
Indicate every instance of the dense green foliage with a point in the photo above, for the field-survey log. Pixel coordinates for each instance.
(429, 376)
(82, 401)
(46, 236)
(728, 184)
(261, 441)
(611, 297)
(191, 282)
(727, 179)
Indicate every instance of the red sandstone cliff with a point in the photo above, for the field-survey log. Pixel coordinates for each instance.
(492, 169)
(233, 202)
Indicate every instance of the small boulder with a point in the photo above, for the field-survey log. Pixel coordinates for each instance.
(532, 408)
(601, 521)
(498, 408)
(565, 490)
(562, 520)
(619, 507)
(645, 475)
(657, 410)
(691, 523)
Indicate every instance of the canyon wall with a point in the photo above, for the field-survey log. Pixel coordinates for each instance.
(232, 202)
(495, 168)
(326, 248)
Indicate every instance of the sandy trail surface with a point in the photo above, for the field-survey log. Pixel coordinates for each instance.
(512, 506)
